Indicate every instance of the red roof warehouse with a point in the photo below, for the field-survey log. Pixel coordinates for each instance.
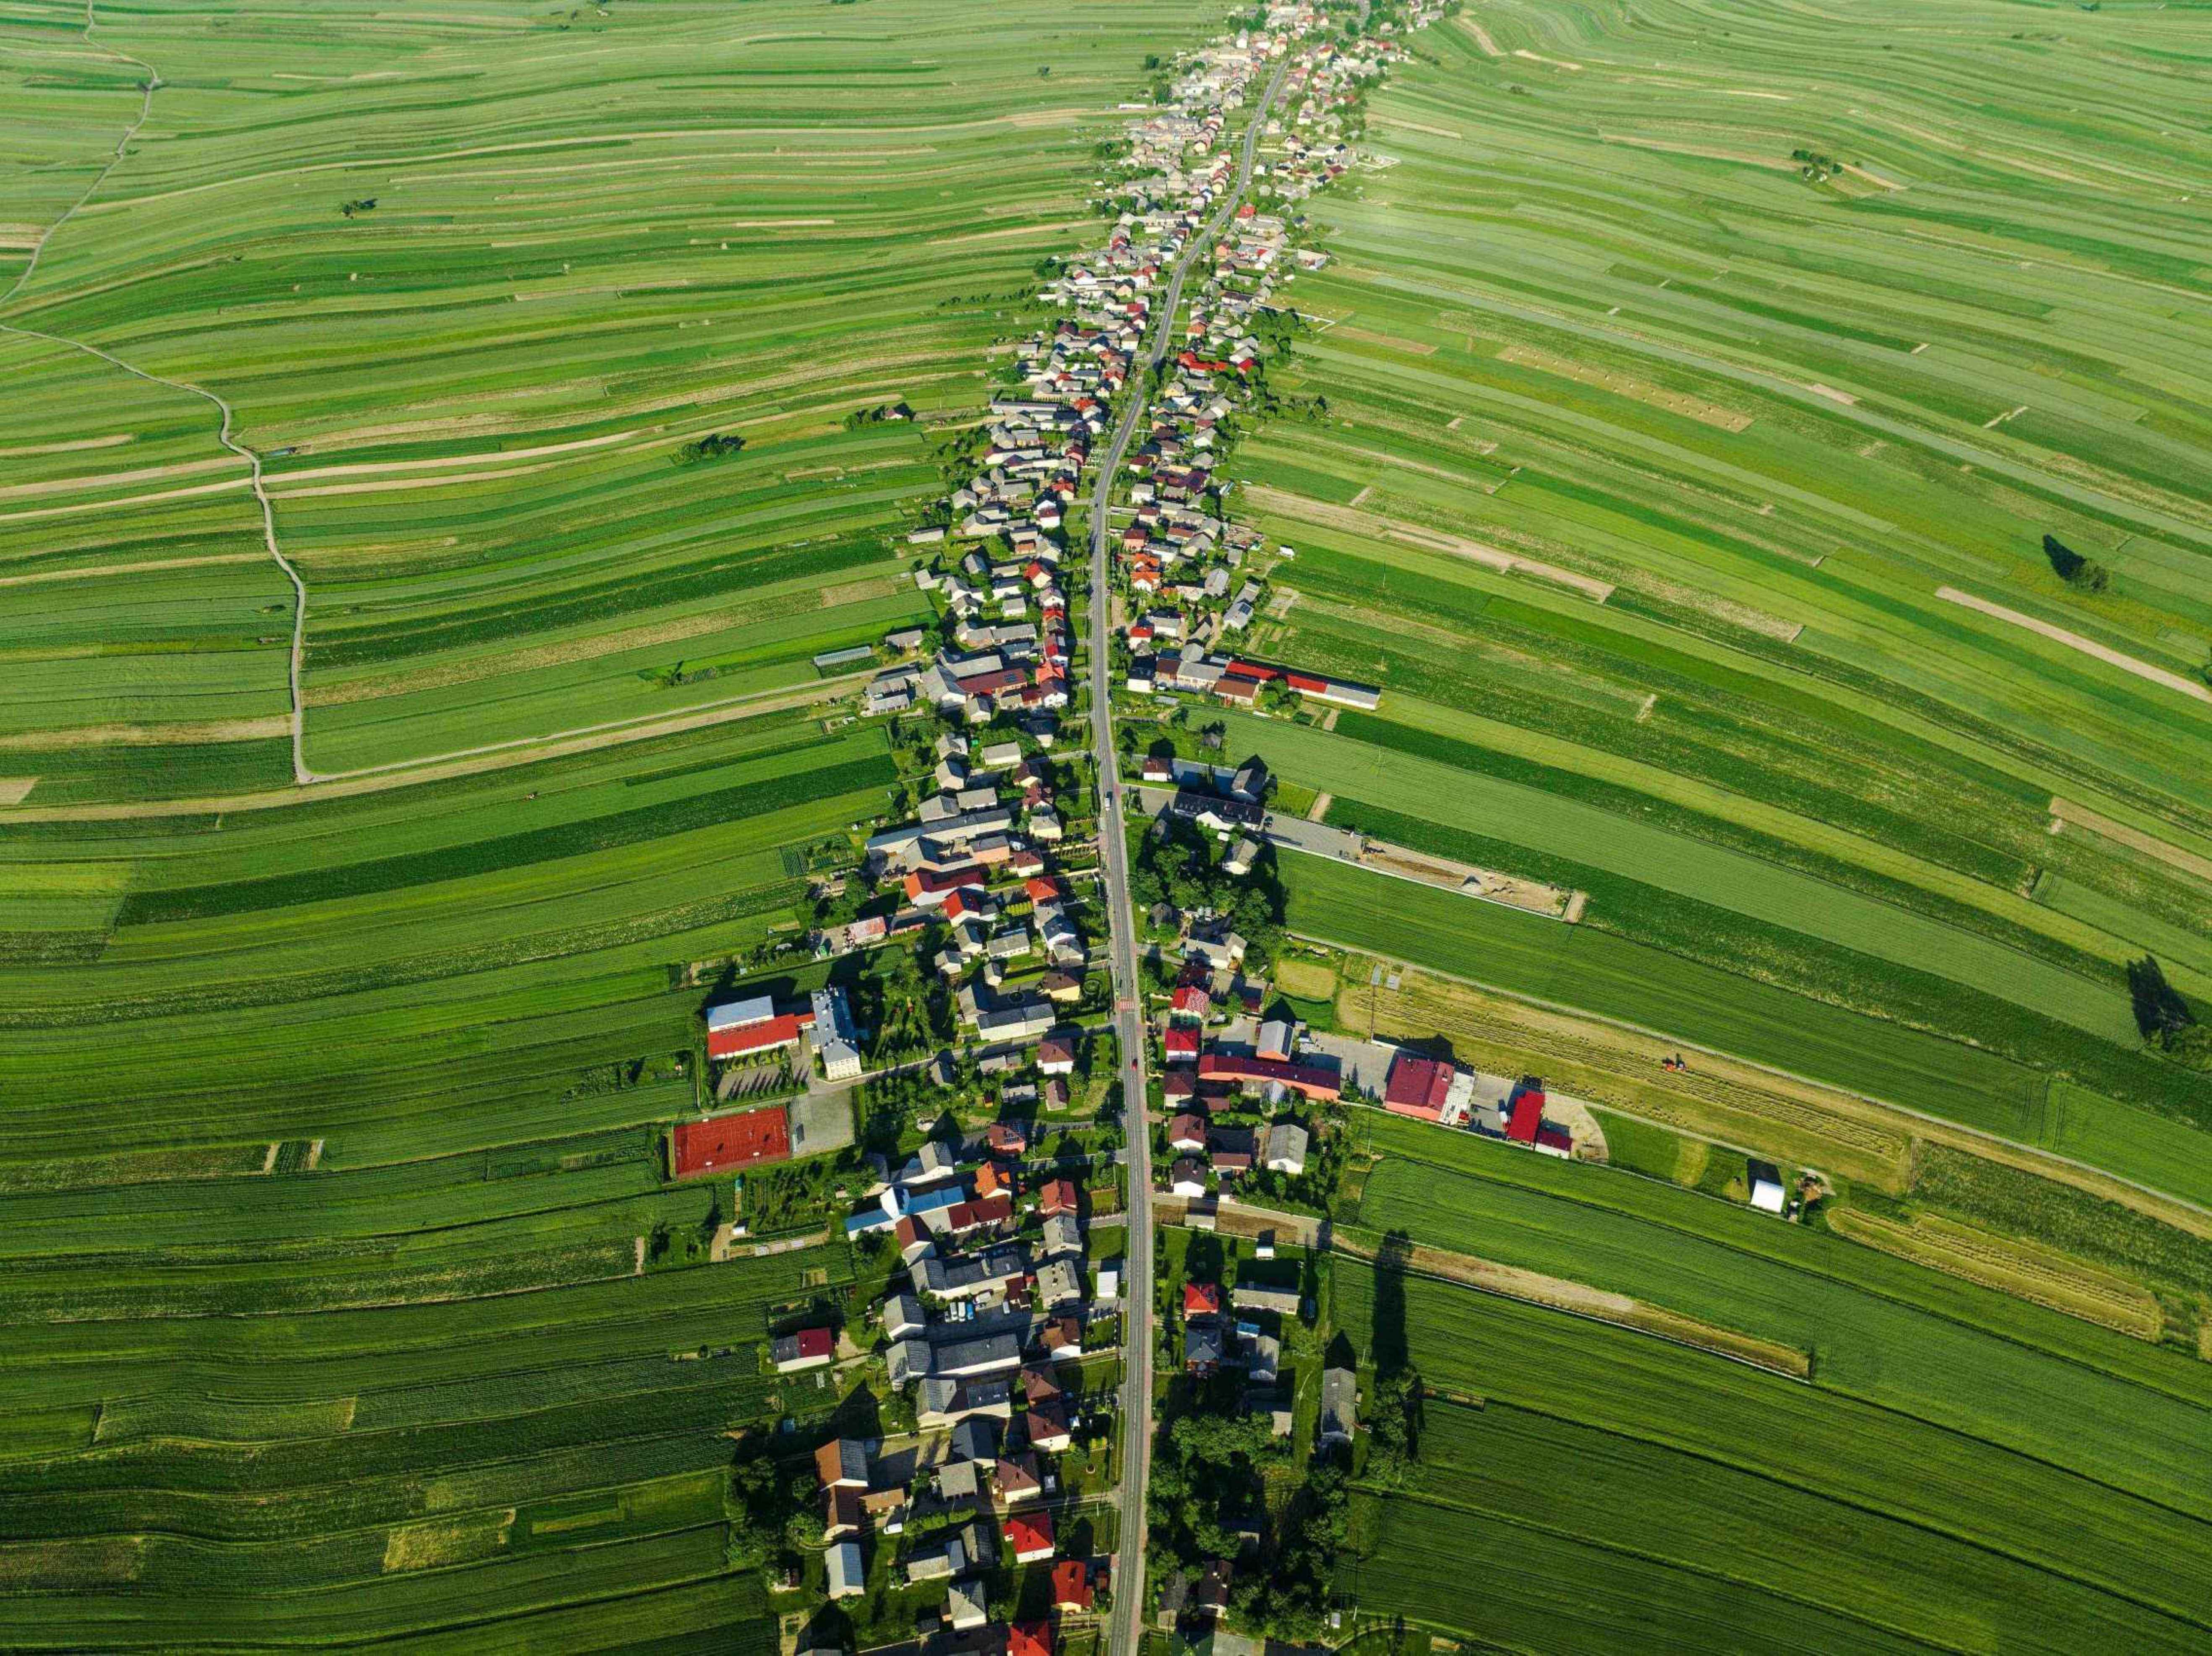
(730, 1142)
(749, 1037)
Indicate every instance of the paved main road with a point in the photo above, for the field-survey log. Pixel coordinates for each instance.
(1114, 871)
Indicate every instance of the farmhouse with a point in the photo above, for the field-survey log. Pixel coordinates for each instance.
(1313, 1080)
(1764, 1182)
(1339, 1408)
(810, 1348)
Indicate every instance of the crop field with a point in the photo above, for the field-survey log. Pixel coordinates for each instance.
(1671, 1492)
(1753, 358)
(331, 1164)
(471, 282)
(1917, 1341)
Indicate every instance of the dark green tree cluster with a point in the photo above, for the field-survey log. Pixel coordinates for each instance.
(765, 1510)
(357, 206)
(2084, 574)
(1290, 1601)
(1206, 1481)
(1181, 867)
(2165, 1018)
(1813, 166)
(714, 446)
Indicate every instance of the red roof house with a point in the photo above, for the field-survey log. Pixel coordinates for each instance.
(1201, 1300)
(1059, 1196)
(1071, 1585)
(1417, 1086)
(1031, 1537)
(1181, 1044)
(1029, 1638)
(730, 1142)
(1524, 1116)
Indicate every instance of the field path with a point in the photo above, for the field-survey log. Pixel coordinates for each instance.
(300, 771)
(300, 774)
(470, 761)
(145, 108)
(2087, 647)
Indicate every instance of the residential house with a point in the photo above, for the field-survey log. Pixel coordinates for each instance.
(810, 1348)
(1339, 1408)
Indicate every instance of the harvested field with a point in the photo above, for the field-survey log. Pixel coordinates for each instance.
(2012, 1267)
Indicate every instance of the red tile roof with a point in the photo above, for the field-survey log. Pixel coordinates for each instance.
(1030, 1533)
(1417, 1086)
(1031, 1638)
(762, 1037)
(1201, 1300)
(730, 1142)
(1071, 1585)
(1525, 1116)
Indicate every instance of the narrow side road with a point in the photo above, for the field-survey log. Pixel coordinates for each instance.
(1127, 1630)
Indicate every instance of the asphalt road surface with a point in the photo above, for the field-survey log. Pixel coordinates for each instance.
(1127, 1632)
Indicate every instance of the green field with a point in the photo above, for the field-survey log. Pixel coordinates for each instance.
(1740, 412)
(1628, 1494)
(598, 234)
(331, 1116)
(331, 1151)
(1912, 1341)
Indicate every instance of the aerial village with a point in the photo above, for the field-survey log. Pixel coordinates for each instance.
(1000, 1328)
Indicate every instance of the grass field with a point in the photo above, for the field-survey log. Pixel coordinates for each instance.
(1756, 410)
(332, 1146)
(1666, 1476)
(596, 235)
(1946, 1366)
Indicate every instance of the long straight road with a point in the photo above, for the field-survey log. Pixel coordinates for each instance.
(1113, 869)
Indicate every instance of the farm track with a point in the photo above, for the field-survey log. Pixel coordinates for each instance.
(468, 761)
(300, 774)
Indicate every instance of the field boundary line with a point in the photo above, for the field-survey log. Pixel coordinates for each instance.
(444, 767)
(2072, 640)
(2198, 1212)
(1495, 1287)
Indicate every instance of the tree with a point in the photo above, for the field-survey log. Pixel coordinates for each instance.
(2160, 1012)
(2076, 571)
(714, 446)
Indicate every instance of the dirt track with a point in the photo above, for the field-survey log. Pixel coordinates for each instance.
(468, 761)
